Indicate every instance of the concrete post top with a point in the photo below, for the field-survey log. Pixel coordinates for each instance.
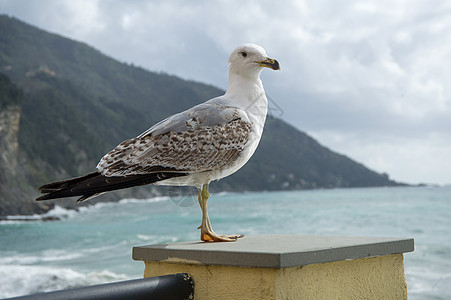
(274, 251)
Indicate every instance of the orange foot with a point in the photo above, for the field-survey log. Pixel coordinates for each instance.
(211, 236)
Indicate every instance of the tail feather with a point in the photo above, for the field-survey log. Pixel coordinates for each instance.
(94, 184)
(59, 185)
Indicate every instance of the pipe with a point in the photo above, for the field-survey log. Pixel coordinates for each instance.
(175, 286)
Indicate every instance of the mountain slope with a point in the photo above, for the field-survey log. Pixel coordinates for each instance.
(14, 196)
(79, 104)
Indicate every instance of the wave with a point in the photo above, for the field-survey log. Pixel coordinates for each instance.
(59, 213)
(149, 200)
(53, 255)
(45, 256)
(24, 280)
(56, 213)
(123, 201)
(221, 194)
(157, 239)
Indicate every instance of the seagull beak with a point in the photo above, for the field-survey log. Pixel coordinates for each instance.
(269, 63)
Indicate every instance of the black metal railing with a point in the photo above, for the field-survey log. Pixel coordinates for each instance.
(175, 286)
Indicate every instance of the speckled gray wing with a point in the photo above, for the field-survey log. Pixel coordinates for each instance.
(207, 137)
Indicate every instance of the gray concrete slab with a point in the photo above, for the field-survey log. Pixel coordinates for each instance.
(275, 251)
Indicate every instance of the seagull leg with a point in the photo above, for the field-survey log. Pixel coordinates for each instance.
(202, 204)
(206, 232)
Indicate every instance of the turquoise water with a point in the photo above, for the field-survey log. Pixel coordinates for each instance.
(93, 245)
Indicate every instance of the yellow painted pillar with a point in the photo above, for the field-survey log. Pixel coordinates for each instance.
(286, 267)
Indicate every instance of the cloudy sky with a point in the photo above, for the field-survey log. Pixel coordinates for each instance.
(370, 80)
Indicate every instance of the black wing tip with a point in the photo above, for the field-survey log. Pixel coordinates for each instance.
(94, 184)
(47, 188)
(57, 189)
(42, 198)
(87, 197)
(49, 196)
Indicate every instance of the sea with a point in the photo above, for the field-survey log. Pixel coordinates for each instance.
(92, 245)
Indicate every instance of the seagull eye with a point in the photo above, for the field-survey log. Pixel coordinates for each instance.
(243, 54)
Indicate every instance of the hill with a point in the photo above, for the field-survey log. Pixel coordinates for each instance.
(75, 104)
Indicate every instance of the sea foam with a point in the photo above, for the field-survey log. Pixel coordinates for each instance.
(24, 280)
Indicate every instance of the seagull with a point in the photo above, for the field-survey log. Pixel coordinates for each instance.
(205, 143)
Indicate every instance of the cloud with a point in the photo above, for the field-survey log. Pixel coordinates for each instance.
(368, 79)
(412, 159)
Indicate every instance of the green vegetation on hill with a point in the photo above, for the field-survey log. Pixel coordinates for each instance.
(10, 94)
(78, 104)
(54, 128)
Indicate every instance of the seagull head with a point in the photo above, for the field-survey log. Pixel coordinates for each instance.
(248, 60)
